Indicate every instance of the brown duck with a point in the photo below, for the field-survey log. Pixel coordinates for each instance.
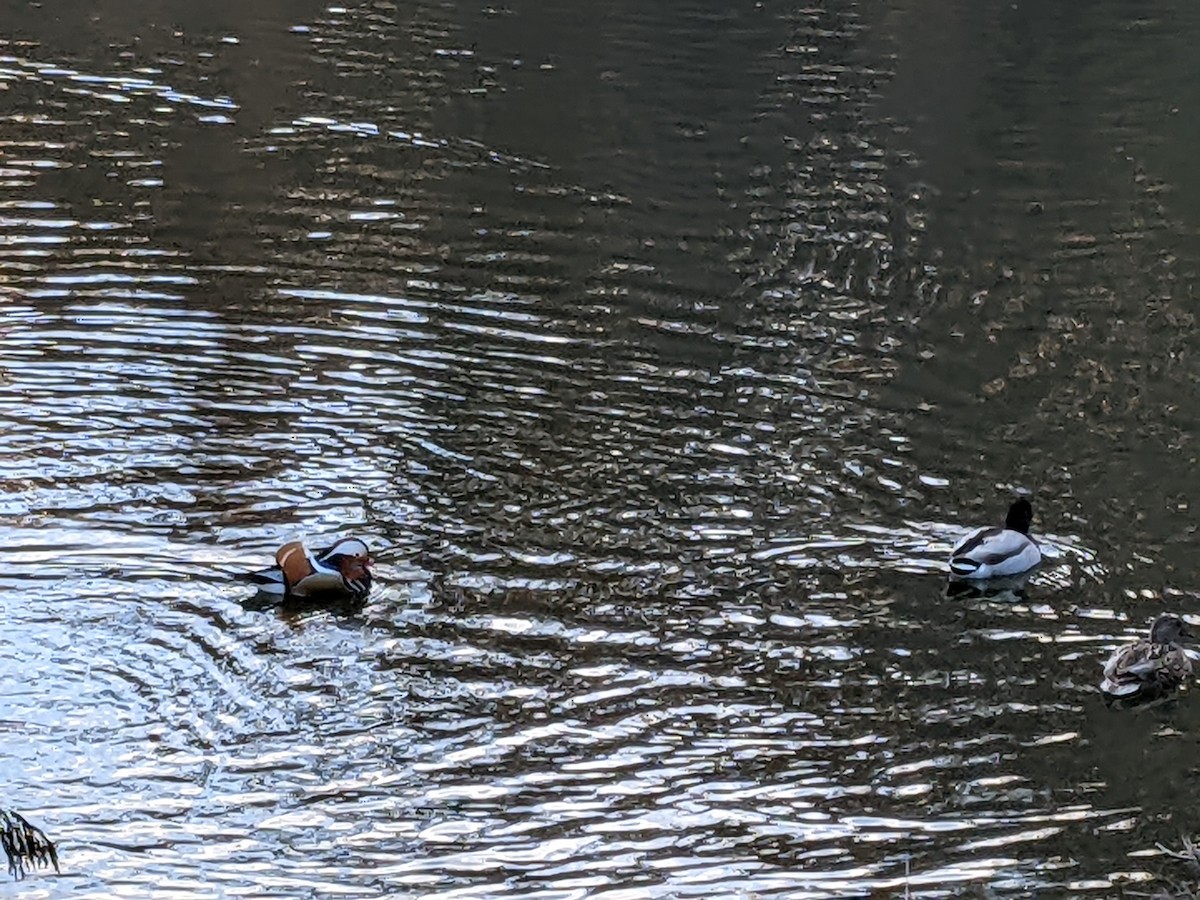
(1149, 669)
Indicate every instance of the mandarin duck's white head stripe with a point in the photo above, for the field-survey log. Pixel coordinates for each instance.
(342, 569)
(345, 547)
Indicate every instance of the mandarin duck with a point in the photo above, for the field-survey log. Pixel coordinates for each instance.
(343, 569)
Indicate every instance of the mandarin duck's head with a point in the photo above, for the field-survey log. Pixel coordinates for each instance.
(350, 557)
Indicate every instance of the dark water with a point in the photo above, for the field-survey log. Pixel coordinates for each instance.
(662, 351)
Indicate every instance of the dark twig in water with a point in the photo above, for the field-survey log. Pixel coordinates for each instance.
(25, 846)
(1190, 854)
(1187, 854)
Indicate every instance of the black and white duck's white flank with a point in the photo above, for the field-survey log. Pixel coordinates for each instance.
(1149, 669)
(998, 552)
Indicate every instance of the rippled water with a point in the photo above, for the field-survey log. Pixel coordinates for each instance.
(662, 354)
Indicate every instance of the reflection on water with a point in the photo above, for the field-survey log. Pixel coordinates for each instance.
(665, 354)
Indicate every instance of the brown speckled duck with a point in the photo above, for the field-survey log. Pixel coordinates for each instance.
(1150, 669)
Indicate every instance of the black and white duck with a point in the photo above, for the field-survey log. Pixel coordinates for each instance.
(998, 552)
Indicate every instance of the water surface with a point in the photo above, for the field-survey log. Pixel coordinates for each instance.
(662, 355)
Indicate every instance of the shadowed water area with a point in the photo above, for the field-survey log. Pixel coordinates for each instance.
(661, 352)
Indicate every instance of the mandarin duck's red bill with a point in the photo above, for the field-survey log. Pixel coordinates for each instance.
(342, 570)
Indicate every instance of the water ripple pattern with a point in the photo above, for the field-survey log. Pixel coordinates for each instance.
(635, 344)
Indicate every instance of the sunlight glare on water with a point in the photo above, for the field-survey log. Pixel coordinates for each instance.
(661, 356)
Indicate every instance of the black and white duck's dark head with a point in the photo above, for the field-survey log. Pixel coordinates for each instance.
(1020, 516)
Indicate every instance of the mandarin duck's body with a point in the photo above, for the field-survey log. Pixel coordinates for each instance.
(998, 552)
(342, 570)
(1151, 669)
